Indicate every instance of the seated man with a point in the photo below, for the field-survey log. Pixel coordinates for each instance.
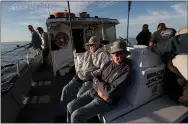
(108, 86)
(91, 60)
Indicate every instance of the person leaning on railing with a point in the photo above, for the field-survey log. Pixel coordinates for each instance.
(45, 45)
(36, 41)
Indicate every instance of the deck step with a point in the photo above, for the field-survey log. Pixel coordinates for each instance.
(40, 99)
(41, 83)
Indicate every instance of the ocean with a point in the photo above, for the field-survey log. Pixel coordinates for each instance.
(13, 56)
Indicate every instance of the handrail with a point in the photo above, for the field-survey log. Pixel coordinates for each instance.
(14, 67)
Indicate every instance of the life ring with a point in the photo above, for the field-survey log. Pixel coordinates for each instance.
(62, 39)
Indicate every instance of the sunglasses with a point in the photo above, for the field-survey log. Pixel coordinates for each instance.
(91, 45)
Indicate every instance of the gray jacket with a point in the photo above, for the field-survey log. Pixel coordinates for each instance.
(36, 40)
(91, 62)
(112, 80)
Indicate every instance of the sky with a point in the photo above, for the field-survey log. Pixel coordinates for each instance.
(15, 16)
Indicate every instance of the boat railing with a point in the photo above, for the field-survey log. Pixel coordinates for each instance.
(15, 59)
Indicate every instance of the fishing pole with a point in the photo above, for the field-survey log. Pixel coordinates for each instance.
(5, 66)
(18, 47)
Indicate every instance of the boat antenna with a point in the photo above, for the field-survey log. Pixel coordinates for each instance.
(70, 24)
(129, 8)
(48, 8)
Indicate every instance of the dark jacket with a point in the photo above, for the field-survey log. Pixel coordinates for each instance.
(113, 79)
(143, 38)
(173, 46)
(36, 41)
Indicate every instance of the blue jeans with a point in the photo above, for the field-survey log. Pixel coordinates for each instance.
(85, 107)
(73, 89)
(69, 93)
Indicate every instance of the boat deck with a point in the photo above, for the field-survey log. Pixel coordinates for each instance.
(44, 97)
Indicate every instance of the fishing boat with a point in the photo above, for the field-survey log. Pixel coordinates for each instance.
(33, 95)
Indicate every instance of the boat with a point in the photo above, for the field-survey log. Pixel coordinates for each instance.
(33, 95)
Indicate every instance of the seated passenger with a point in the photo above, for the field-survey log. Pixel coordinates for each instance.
(90, 61)
(108, 86)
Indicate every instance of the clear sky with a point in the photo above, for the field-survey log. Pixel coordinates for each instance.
(15, 16)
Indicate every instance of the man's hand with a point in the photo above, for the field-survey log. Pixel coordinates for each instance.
(100, 94)
(150, 43)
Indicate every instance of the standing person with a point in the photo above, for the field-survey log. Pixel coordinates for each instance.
(45, 45)
(108, 86)
(162, 34)
(174, 53)
(36, 41)
(90, 62)
(144, 36)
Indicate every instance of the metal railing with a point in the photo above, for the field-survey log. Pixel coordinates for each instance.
(13, 61)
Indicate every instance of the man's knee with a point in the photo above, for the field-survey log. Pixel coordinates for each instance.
(65, 90)
(67, 87)
(70, 106)
(76, 117)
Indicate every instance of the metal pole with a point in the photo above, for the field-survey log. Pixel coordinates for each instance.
(18, 68)
(129, 7)
(27, 56)
(70, 24)
(128, 28)
(48, 9)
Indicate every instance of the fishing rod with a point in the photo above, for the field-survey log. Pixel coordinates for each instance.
(5, 66)
(18, 47)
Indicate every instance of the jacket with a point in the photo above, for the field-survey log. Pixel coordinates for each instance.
(143, 38)
(36, 40)
(91, 62)
(112, 80)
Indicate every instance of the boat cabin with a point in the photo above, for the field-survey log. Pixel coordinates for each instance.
(72, 34)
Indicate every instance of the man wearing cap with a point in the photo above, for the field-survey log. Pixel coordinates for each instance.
(108, 86)
(90, 61)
